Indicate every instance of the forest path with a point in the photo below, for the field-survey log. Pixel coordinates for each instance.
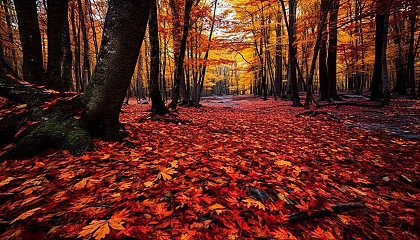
(400, 119)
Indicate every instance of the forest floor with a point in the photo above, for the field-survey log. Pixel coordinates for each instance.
(237, 168)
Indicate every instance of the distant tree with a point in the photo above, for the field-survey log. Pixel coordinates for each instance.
(179, 63)
(411, 52)
(58, 36)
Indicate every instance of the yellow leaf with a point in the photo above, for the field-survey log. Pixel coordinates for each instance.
(166, 174)
(344, 218)
(254, 203)
(148, 183)
(25, 215)
(117, 220)
(116, 223)
(216, 206)
(98, 228)
(283, 163)
(77, 117)
(174, 164)
(22, 106)
(116, 195)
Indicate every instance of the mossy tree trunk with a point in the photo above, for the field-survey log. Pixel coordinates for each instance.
(61, 126)
(124, 30)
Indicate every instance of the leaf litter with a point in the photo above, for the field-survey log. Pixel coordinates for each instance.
(239, 171)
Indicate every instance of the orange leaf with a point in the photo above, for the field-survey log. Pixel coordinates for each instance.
(166, 174)
(25, 215)
(98, 228)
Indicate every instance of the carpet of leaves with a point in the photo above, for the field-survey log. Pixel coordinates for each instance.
(192, 180)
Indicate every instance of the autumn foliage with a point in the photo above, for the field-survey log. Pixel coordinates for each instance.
(235, 169)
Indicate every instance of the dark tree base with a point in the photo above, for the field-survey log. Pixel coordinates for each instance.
(61, 123)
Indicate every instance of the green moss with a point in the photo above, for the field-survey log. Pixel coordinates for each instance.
(70, 133)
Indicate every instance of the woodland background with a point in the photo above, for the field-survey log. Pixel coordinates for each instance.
(224, 159)
(248, 51)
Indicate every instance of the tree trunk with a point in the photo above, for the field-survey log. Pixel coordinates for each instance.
(292, 53)
(279, 67)
(124, 30)
(385, 80)
(92, 25)
(57, 18)
(375, 86)
(411, 56)
(123, 34)
(66, 74)
(332, 52)
(158, 106)
(76, 40)
(86, 63)
(30, 38)
(322, 62)
(8, 13)
(180, 64)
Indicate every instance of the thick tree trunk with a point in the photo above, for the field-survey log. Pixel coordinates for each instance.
(30, 38)
(179, 73)
(158, 106)
(332, 52)
(124, 30)
(322, 62)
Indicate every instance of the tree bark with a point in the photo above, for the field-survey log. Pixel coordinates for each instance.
(123, 33)
(76, 40)
(375, 87)
(158, 106)
(30, 38)
(292, 53)
(124, 30)
(385, 80)
(66, 74)
(411, 56)
(86, 63)
(332, 52)
(180, 64)
(279, 67)
(57, 19)
(322, 62)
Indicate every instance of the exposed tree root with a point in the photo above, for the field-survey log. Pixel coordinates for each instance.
(61, 125)
(189, 103)
(339, 208)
